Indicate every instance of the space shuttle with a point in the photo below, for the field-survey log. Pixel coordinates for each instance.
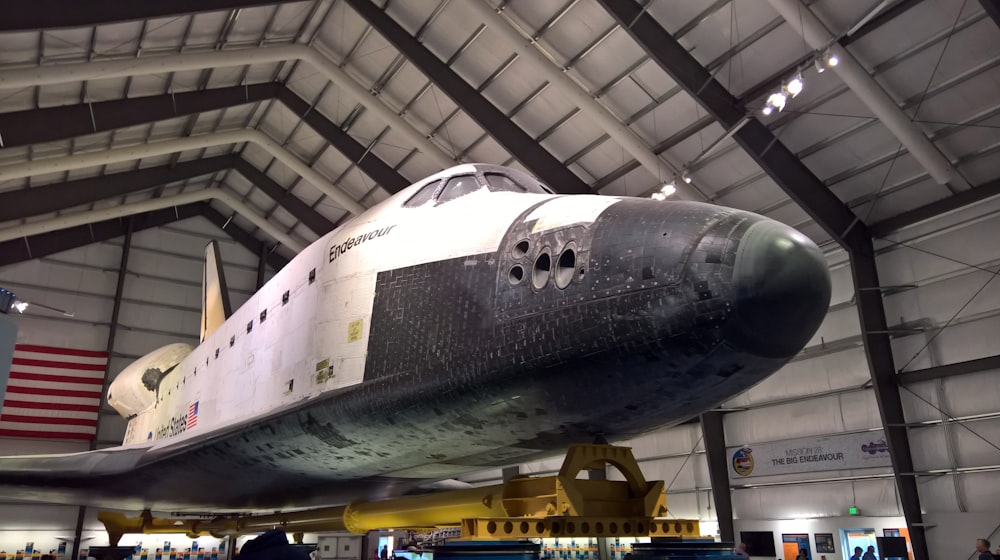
(473, 320)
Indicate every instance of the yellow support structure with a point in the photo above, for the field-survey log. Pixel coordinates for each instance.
(560, 505)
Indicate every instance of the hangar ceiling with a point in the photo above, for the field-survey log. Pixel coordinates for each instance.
(113, 80)
(276, 121)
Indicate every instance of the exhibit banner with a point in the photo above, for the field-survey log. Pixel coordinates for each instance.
(829, 453)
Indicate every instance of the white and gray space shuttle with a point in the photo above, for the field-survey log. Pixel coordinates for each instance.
(473, 320)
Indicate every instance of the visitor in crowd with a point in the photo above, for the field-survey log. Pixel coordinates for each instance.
(870, 554)
(271, 545)
(983, 548)
(803, 554)
(857, 553)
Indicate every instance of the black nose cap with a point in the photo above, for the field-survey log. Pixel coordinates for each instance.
(781, 291)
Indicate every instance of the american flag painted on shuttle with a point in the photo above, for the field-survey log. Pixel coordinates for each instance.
(192, 415)
(53, 393)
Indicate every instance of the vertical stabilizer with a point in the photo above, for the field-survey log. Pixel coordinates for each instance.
(215, 308)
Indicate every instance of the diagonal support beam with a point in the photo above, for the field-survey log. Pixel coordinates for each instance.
(38, 246)
(54, 14)
(992, 8)
(242, 237)
(62, 196)
(936, 208)
(362, 156)
(56, 197)
(52, 124)
(35, 126)
(144, 66)
(824, 207)
(302, 211)
(151, 149)
(948, 370)
(521, 145)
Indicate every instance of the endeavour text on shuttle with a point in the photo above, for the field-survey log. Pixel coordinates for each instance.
(337, 250)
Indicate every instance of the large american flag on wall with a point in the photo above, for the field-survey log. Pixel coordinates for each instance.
(53, 393)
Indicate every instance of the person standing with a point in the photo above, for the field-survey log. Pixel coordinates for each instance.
(384, 553)
(857, 553)
(983, 548)
(803, 554)
(870, 554)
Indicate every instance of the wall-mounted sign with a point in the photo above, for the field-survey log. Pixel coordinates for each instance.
(824, 542)
(845, 451)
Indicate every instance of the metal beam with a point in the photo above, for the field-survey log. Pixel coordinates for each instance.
(45, 244)
(54, 14)
(38, 246)
(110, 349)
(62, 123)
(362, 156)
(55, 197)
(760, 143)
(521, 145)
(936, 208)
(713, 430)
(948, 370)
(302, 211)
(824, 207)
(252, 244)
(131, 67)
(992, 8)
(878, 346)
(883, 18)
(62, 196)
(35, 126)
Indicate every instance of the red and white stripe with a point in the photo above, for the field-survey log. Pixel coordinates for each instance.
(53, 393)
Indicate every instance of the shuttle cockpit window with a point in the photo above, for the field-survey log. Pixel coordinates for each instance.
(459, 186)
(516, 183)
(423, 196)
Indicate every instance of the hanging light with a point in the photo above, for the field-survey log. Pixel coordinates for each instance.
(767, 110)
(658, 196)
(820, 68)
(794, 86)
(777, 100)
(686, 177)
(831, 59)
(668, 189)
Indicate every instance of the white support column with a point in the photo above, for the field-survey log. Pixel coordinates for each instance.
(854, 75)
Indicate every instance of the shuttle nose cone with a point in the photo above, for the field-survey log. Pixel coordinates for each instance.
(781, 291)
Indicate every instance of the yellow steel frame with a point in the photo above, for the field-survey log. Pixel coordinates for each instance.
(560, 505)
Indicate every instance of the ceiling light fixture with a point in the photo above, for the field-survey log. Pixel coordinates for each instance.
(777, 100)
(794, 86)
(666, 190)
(831, 59)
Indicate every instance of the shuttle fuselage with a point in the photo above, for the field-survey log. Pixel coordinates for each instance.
(472, 320)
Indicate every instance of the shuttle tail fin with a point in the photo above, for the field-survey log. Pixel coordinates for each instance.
(215, 307)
